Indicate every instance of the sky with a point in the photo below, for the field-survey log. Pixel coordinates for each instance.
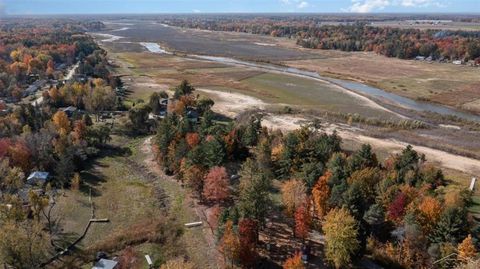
(26, 7)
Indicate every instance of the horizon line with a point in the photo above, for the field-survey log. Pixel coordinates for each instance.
(244, 12)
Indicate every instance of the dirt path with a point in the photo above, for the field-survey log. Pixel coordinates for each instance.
(201, 211)
(232, 104)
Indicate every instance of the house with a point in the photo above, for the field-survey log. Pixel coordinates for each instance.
(70, 111)
(192, 115)
(457, 62)
(80, 78)
(38, 178)
(105, 264)
(34, 87)
(164, 102)
(24, 194)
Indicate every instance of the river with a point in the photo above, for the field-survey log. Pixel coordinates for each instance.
(356, 87)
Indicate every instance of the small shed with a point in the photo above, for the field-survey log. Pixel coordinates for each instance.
(37, 178)
(105, 264)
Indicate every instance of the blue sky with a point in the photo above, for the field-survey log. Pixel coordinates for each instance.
(208, 6)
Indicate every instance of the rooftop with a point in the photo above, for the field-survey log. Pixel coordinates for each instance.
(105, 264)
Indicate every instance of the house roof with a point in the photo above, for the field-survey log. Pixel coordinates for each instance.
(105, 264)
(38, 175)
(69, 109)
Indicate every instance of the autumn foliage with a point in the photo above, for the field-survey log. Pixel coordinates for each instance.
(216, 187)
(321, 194)
(302, 221)
(294, 262)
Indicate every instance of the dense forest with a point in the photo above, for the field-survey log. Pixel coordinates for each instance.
(42, 49)
(391, 42)
(46, 138)
(399, 212)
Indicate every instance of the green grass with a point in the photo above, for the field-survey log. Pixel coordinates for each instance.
(125, 197)
(291, 90)
(475, 206)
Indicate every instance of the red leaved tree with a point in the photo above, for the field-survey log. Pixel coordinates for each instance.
(303, 221)
(215, 187)
(193, 139)
(248, 233)
(396, 210)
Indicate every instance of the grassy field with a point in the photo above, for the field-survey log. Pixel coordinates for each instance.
(444, 83)
(122, 193)
(151, 73)
(310, 94)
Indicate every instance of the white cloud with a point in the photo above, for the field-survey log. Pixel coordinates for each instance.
(365, 6)
(368, 5)
(196, 11)
(421, 3)
(299, 4)
(303, 4)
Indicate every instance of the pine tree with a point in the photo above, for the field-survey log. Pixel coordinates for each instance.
(451, 227)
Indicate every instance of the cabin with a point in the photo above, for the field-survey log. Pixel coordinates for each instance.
(105, 264)
(38, 178)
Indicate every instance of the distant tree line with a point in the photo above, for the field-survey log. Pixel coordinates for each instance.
(388, 41)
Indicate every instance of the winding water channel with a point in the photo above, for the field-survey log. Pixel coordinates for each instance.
(356, 87)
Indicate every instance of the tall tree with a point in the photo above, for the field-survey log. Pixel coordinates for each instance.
(321, 194)
(248, 233)
(451, 227)
(293, 195)
(215, 186)
(341, 233)
(62, 122)
(430, 211)
(254, 194)
(230, 245)
(302, 221)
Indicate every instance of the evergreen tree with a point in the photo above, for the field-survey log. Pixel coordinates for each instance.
(451, 227)
(185, 88)
(213, 153)
(362, 159)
